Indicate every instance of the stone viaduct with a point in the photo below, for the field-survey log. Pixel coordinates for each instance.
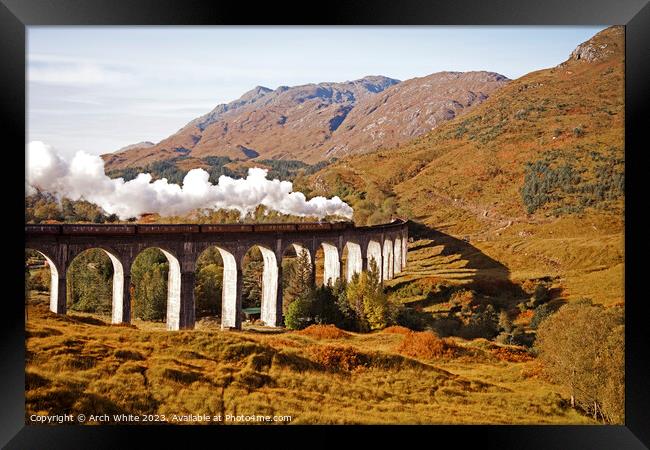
(182, 245)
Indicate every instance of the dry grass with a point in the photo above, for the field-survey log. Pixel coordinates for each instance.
(324, 332)
(426, 345)
(337, 357)
(78, 365)
(512, 354)
(396, 329)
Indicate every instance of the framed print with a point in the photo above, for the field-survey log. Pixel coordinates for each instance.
(381, 215)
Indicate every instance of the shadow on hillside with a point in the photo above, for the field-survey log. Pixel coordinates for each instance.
(491, 278)
(259, 329)
(88, 320)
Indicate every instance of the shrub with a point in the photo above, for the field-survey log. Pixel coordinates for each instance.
(207, 290)
(483, 323)
(541, 294)
(540, 313)
(462, 297)
(524, 317)
(396, 329)
(337, 357)
(582, 347)
(528, 286)
(298, 315)
(324, 332)
(410, 318)
(425, 345)
(366, 297)
(521, 337)
(446, 326)
(89, 282)
(348, 317)
(504, 338)
(612, 392)
(512, 354)
(39, 280)
(323, 305)
(505, 324)
(149, 279)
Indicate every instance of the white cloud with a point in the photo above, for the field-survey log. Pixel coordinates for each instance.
(84, 74)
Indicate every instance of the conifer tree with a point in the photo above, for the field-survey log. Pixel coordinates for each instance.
(299, 280)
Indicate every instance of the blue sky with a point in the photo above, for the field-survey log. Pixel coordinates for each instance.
(100, 88)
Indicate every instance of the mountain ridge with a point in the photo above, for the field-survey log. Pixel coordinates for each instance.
(317, 121)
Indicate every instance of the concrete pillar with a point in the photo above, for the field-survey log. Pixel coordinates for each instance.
(120, 301)
(231, 292)
(355, 260)
(125, 315)
(397, 255)
(279, 318)
(332, 269)
(58, 298)
(374, 253)
(312, 260)
(404, 248)
(173, 292)
(387, 257)
(186, 316)
(270, 282)
(384, 269)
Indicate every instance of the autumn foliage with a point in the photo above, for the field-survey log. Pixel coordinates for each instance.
(337, 357)
(397, 329)
(324, 332)
(512, 354)
(426, 345)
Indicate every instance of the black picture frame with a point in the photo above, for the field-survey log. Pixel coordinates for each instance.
(16, 15)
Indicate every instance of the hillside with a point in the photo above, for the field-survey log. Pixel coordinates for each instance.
(81, 364)
(318, 121)
(533, 176)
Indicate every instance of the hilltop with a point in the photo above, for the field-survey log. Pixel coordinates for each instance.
(315, 122)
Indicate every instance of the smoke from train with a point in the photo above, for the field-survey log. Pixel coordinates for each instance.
(84, 178)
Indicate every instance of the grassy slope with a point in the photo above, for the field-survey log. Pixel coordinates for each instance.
(464, 178)
(80, 364)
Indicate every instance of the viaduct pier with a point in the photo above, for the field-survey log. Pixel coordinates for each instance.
(182, 244)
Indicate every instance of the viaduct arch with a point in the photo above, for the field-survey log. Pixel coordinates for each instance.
(182, 244)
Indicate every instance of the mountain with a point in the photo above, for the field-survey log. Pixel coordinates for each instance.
(410, 109)
(533, 176)
(314, 122)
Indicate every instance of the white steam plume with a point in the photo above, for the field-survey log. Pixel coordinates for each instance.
(84, 177)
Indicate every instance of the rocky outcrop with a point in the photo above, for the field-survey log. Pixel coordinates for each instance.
(600, 47)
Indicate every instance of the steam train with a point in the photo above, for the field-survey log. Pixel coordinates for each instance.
(184, 228)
